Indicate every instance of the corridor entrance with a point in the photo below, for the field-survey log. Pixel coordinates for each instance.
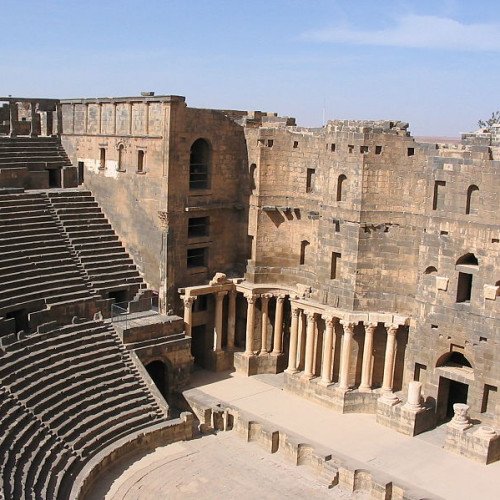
(449, 393)
(157, 372)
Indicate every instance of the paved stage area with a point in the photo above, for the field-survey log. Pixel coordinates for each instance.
(420, 460)
(218, 466)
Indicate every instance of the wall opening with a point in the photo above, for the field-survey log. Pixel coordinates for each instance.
(341, 187)
(430, 270)
(449, 393)
(20, 317)
(489, 401)
(419, 372)
(120, 158)
(140, 160)
(156, 370)
(471, 204)
(198, 227)
(102, 158)
(303, 250)
(378, 150)
(311, 172)
(411, 151)
(437, 199)
(54, 177)
(464, 287)
(197, 257)
(199, 165)
(249, 247)
(335, 265)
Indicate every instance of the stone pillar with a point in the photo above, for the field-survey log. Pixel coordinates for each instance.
(250, 324)
(308, 367)
(130, 107)
(301, 341)
(390, 356)
(113, 119)
(146, 119)
(326, 362)
(188, 314)
(33, 132)
(219, 297)
(13, 118)
(414, 396)
(294, 337)
(99, 118)
(278, 325)
(345, 355)
(367, 366)
(231, 319)
(264, 298)
(59, 118)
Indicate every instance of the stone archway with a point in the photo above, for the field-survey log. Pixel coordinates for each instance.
(455, 375)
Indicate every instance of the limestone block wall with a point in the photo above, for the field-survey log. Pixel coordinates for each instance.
(444, 323)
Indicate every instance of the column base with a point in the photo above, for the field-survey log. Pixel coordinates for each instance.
(388, 397)
(219, 361)
(325, 383)
(256, 364)
(365, 388)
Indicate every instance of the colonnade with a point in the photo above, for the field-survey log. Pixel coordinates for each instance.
(302, 356)
(346, 345)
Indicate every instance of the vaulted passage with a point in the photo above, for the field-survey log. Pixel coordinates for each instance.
(158, 373)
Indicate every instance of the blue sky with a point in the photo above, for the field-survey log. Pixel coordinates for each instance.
(433, 63)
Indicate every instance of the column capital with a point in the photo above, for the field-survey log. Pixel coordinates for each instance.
(233, 292)
(280, 298)
(188, 300)
(310, 315)
(266, 296)
(371, 326)
(392, 329)
(220, 295)
(329, 319)
(348, 325)
(250, 298)
(295, 311)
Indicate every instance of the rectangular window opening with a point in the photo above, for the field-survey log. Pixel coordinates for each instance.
(437, 200)
(378, 150)
(270, 143)
(295, 144)
(102, 158)
(464, 287)
(332, 147)
(363, 149)
(198, 227)
(411, 151)
(196, 257)
(334, 266)
(140, 161)
(419, 371)
(310, 180)
(249, 247)
(351, 148)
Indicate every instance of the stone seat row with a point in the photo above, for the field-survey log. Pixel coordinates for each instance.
(82, 386)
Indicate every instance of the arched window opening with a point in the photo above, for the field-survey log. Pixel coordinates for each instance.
(303, 246)
(454, 359)
(471, 205)
(469, 259)
(430, 270)
(341, 187)
(120, 158)
(199, 165)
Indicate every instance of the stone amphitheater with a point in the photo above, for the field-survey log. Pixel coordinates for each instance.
(163, 265)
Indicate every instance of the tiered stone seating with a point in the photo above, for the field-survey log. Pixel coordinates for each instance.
(65, 394)
(104, 259)
(34, 153)
(36, 267)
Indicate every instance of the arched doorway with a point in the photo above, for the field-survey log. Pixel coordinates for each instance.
(455, 369)
(158, 373)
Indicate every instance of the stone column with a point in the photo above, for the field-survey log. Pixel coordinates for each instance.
(326, 361)
(294, 337)
(460, 420)
(367, 367)
(278, 325)
(414, 395)
(264, 298)
(250, 323)
(345, 355)
(188, 314)
(308, 367)
(14, 117)
(33, 132)
(390, 355)
(219, 297)
(231, 319)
